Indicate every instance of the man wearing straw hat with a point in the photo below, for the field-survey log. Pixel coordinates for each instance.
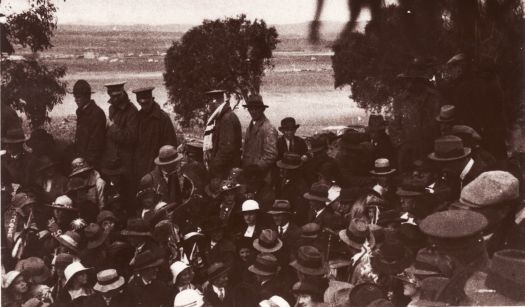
(109, 290)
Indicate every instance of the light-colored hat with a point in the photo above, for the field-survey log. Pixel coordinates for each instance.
(63, 202)
(250, 205)
(72, 269)
(9, 278)
(333, 193)
(108, 280)
(274, 301)
(168, 155)
(189, 298)
(382, 167)
(490, 188)
(79, 166)
(176, 268)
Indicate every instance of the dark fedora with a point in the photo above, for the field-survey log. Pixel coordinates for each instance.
(82, 87)
(167, 155)
(13, 136)
(287, 124)
(45, 162)
(310, 230)
(216, 270)
(391, 258)
(290, 161)
(382, 167)
(309, 261)
(446, 114)
(145, 260)
(255, 101)
(268, 241)
(113, 167)
(265, 265)
(281, 206)
(449, 148)
(376, 122)
(136, 227)
(95, 235)
(318, 192)
(356, 234)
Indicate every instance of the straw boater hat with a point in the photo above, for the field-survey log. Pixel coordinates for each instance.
(356, 234)
(13, 136)
(168, 155)
(265, 265)
(73, 269)
(318, 192)
(446, 114)
(382, 167)
(449, 148)
(79, 166)
(268, 242)
(71, 240)
(290, 161)
(108, 280)
(309, 261)
(63, 203)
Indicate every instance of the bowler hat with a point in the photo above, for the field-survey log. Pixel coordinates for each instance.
(382, 167)
(113, 167)
(318, 192)
(357, 234)
(168, 155)
(35, 268)
(268, 241)
(446, 114)
(288, 123)
(281, 206)
(79, 166)
(63, 203)
(13, 136)
(82, 87)
(365, 293)
(108, 280)
(376, 122)
(136, 227)
(290, 161)
(265, 265)
(449, 148)
(216, 270)
(145, 260)
(310, 230)
(95, 235)
(309, 261)
(71, 240)
(255, 101)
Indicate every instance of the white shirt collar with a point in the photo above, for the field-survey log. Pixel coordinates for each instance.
(467, 169)
(284, 228)
(217, 290)
(249, 231)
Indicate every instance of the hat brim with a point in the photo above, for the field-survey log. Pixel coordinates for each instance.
(344, 237)
(14, 141)
(160, 163)
(285, 128)
(110, 287)
(98, 242)
(263, 249)
(73, 275)
(67, 244)
(131, 233)
(443, 120)
(309, 196)
(281, 164)
(256, 271)
(80, 171)
(373, 172)
(308, 271)
(276, 212)
(402, 192)
(434, 157)
(62, 208)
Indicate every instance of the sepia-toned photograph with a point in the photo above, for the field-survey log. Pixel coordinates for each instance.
(262, 153)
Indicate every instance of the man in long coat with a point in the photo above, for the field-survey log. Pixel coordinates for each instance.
(91, 124)
(155, 130)
(222, 138)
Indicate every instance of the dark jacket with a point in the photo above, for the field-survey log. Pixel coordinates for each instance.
(223, 251)
(17, 170)
(155, 294)
(297, 146)
(291, 237)
(242, 295)
(293, 190)
(327, 219)
(227, 142)
(260, 145)
(155, 130)
(90, 133)
(121, 138)
(121, 300)
(169, 191)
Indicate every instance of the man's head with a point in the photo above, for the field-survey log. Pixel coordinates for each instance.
(255, 106)
(82, 93)
(169, 159)
(215, 98)
(288, 127)
(115, 91)
(250, 208)
(145, 98)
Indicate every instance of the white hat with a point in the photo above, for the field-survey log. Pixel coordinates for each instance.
(72, 269)
(9, 278)
(64, 200)
(274, 301)
(189, 298)
(333, 193)
(108, 280)
(176, 268)
(250, 205)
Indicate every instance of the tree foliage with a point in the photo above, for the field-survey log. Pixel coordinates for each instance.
(29, 85)
(230, 54)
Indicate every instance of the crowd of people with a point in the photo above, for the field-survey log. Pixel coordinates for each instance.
(127, 216)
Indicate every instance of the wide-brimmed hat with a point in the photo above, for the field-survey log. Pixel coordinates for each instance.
(136, 227)
(309, 261)
(8, 278)
(310, 230)
(213, 189)
(382, 167)
(22, 199)
(318, 192)
(290, 161)
(254, 101)
(45, 162)
(108, 280)
(430, 262)
(392, 258)
(35, 268)
(95, 235)
(250, 205)
(268, 241)
(288, 123)
(71, 240)
(113, 167)
(376, 122)
(447, 114)
(503, 283)
(281, 206)
(63, 202)
(357, 234)
(176, 268)
(145, 260)
(13, 136)
(365, 293)
(265, 264)
(216, 270)
(73, 269)
(449, 148)
(79, 166)
(81, 87)
(168, 155)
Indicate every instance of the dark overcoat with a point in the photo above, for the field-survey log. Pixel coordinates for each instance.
(91, 133)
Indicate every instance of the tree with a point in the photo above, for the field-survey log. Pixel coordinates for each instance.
(490, 33)
(230, 54)
(28, 84)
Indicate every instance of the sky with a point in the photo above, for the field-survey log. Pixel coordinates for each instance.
(126, 12)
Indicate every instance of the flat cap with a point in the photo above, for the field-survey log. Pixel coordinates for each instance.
(490, 188)
(453, 224)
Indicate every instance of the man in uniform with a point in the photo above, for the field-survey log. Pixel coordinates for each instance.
(155, 130)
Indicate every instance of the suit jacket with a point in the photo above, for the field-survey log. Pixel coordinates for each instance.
(477, 168)
(291, 236)
(273, 287)
(170, 191)
(227, 142)
(297, 146)
(90, 133)
(260, 144)
(156, 294)
(242, 295)
(121, 300)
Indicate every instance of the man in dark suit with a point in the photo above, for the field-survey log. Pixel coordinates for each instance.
(292, 185)
(289, 142)
(288, 231)
(265, 269)
(218, 292)
(320, 212)
(145, 286)
(218, 247)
